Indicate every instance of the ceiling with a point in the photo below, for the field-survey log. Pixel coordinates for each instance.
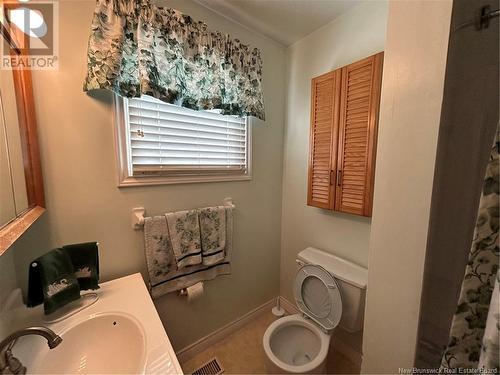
(284, 21)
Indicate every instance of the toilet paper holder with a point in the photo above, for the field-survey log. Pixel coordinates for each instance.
(185, 293)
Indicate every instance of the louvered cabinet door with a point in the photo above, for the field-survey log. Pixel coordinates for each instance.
(325, 100)
(359, 107)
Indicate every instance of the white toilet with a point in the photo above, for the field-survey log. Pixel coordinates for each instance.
(328, 291)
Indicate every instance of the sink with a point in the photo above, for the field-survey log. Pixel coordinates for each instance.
(121, 333)
(111, 343)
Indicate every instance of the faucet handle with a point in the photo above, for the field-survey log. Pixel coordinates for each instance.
(14, 365)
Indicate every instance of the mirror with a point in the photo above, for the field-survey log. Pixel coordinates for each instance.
(14, 197)
(7, 205)
(21, 184)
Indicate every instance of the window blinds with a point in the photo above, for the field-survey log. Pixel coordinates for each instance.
(166, 139)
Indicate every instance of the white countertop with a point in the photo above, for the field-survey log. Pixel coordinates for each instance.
(127, 295)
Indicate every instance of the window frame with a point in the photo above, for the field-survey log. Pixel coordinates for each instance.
(124, 163)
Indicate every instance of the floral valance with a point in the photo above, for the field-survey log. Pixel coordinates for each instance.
(136, 47)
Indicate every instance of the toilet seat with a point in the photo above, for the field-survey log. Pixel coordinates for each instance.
(317, 295)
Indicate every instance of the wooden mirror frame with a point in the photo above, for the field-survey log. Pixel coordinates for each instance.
(30, 150)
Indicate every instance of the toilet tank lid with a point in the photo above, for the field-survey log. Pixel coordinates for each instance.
(340, 268)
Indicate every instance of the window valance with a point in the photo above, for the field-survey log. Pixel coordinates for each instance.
(136, 47)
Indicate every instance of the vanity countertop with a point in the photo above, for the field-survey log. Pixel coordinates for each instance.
(127, 295)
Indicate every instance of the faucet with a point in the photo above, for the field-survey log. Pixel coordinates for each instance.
(10, 364)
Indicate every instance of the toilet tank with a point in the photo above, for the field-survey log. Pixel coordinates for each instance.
(352, 280)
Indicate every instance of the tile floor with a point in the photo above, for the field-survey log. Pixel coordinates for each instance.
(242, 352)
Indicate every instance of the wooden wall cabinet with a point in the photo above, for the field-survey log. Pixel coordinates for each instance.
(343, 140)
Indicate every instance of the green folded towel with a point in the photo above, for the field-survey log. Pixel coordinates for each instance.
(85, 259)
(52, 281)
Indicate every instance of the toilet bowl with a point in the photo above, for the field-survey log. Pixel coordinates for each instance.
(294, 344)
(298, 344)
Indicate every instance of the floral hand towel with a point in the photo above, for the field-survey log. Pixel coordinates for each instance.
(213, 234)
(159, 255)
(184, 231)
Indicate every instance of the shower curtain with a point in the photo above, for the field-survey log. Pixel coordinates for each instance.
(474, 332)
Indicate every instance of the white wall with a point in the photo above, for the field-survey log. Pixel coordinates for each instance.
(8, 282)
(8, 278)
(84, 204)
(354, 35)
(412, 92)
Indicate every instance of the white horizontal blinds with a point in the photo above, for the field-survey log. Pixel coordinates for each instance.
(168, 139)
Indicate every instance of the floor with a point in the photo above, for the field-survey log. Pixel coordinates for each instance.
(242, 352)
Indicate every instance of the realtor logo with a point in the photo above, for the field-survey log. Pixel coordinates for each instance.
(30, 34)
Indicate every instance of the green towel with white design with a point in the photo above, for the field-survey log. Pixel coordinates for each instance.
(85, 260)
(52, 281)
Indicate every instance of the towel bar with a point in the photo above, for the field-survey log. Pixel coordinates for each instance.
(138, 213)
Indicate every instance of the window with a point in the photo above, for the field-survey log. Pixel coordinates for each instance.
(163, 143)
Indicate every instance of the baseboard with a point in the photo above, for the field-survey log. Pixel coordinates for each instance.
(339, 345)
(205, 342)
(348, 351)
(289, 307)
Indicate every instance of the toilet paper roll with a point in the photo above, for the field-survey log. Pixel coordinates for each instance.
(194, 291)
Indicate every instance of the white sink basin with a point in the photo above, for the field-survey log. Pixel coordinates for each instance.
(111, 343)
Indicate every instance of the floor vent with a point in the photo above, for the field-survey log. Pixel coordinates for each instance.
(212, 367)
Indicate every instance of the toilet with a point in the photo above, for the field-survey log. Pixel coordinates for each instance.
(329, 291)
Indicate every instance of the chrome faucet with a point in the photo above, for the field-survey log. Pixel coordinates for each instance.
(10, 364)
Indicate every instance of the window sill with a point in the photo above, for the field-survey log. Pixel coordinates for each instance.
(161, 180)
